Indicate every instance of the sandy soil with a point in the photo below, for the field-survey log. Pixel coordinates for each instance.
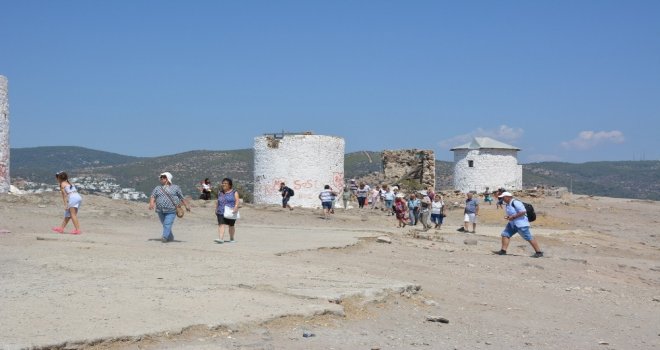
(294, 281)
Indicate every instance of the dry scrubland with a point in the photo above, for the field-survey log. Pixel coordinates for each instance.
(292, 274)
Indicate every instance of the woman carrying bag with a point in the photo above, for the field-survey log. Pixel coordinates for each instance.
(226, 210)
(166, 198)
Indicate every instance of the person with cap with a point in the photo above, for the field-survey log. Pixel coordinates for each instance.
(165, 198)
(517, 223)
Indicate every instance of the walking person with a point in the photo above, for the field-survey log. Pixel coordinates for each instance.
(287, 193)
(228, 200)
(437, 211)
(375, 197)
(413, 208)
(471, 212)
(400, 209)
(362, 194)
(353, 186)
(72, 201)
(388, 197)
(165, 198)
(425, 212)
(327, 197)
(431, 193)
(346, 197)
(516, 215)
(500, 200)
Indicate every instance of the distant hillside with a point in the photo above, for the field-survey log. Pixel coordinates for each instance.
(625, 179)
(40, 164)
(188, 168)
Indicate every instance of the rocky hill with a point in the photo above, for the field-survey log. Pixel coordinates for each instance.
(624, 179)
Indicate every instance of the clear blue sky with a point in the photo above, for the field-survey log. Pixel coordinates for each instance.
(570, 81)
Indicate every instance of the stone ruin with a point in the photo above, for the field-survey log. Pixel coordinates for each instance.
(411, 165)
(5, 183)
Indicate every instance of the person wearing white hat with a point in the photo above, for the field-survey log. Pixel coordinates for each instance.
(517, 223)
(165, 198)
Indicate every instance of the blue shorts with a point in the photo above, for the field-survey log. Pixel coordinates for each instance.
(512, 229)
(437, 218)
(327, 205)
(388, 204)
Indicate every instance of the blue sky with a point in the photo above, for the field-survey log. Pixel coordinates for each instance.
(571, 81)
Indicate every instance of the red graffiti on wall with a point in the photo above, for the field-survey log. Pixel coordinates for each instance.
(338, 181)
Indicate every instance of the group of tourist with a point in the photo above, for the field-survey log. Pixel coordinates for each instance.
(168, 201)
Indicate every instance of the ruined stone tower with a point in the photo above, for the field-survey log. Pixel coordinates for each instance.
(305, 162)
(409, 165)
(4, 136)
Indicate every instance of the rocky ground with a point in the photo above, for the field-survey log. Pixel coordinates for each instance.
(294, 281)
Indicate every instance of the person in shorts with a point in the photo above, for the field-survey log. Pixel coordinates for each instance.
(286, 195)
(327, 197)
(228, 199)
(516, 215)
(471, 213)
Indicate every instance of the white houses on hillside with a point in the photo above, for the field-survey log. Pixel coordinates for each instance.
(485, 162)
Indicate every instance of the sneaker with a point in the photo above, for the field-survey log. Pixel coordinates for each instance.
(58, 229)
(500, 252)
(537, 255)
(163, 240)
(219, 241)
(462, 229)
(76, 232)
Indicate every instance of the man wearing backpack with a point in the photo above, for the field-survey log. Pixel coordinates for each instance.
(518, 223)
(286, 195)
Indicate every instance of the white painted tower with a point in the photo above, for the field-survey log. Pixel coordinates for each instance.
(5, 182)
(305, 162)
(485, 162)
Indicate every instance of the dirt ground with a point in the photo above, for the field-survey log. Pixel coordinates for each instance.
(295, 281)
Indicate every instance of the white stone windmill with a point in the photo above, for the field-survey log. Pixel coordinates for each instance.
(485, 162)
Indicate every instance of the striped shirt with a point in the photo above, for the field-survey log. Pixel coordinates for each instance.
(163, 202)
(326, 196)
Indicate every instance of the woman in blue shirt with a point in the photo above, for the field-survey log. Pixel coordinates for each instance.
(228, 199)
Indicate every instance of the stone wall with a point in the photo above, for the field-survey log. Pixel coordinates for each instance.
(305, 162)
(413, 164)
(493, 168)
(5, 182)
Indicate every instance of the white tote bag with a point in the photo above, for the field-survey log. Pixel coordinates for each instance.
(229, 213)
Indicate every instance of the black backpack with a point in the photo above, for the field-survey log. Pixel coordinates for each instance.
(291, 193)
(531, 214)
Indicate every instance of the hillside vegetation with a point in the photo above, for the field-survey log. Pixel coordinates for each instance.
(624, 179)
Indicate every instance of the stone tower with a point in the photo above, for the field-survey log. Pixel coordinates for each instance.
(4, 136)
(485, 162)
(305, 162)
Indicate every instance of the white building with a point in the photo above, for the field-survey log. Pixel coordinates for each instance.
(5, 182)
(305, 162)
(485, 162)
